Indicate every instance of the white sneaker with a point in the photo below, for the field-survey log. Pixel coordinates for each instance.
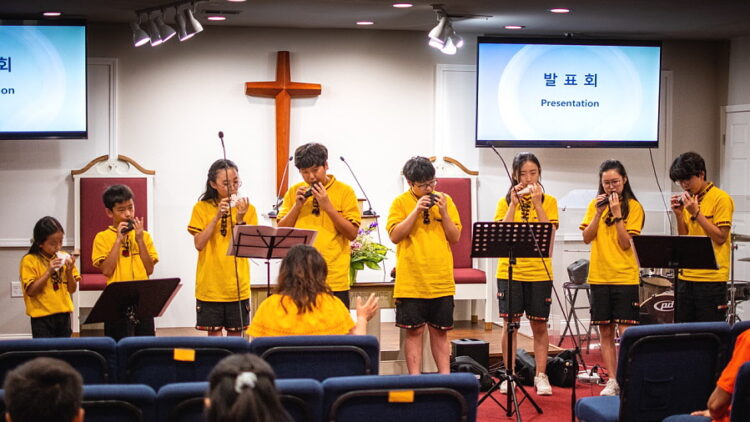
(611, 389)
(504, 387)
(541, 382)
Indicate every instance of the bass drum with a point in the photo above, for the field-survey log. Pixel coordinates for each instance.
(654, 281)
(658, 309)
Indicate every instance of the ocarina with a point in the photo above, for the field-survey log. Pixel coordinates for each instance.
(129, 227)
(62, 255)
(234, 199)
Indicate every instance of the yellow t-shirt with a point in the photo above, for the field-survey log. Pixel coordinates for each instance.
(215, 279)
(527, 269)
(49, 301)
(277, 316)
(335, 248)
(610, 264)
(717, 206)
(424, 261)
(130, 267)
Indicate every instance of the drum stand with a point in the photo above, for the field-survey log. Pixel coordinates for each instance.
(732, 311)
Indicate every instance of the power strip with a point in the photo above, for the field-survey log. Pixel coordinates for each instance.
(589, 378)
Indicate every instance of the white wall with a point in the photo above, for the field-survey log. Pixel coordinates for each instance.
(376, 109)
(739, 69)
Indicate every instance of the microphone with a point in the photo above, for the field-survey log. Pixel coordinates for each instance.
(278, 200)
(221, 137)
(370, 211)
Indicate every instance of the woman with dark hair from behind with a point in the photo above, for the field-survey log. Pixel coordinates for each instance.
(242, 389)
(303, 304)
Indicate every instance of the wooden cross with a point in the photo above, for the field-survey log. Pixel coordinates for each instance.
(283, 89)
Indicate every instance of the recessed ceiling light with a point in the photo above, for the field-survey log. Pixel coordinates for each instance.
(514, 27)
(217, 18)
(365, 23)
(560, 10)
(402, 5)
(52, 14)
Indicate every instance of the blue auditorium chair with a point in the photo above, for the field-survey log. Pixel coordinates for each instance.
(156, 361)
(119, 403)
(431, 397)
(181, 402)
(302, 398)
(662, 370)
(93, 357)
(319, 357)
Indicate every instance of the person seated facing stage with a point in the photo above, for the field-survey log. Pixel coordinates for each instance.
(702, 210)
(43, 389)
(124, 252)
(303, 304)
(241, 388)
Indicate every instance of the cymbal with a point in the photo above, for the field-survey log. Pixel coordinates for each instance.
(744, 259)
(736, 237)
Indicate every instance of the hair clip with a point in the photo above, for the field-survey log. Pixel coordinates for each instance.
(245, 380)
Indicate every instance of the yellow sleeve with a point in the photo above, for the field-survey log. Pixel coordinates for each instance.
(501, 210)
(288, 203)
(260, 316)
(550, 207)
(100, 249)
(251, 217)
(453, 213)
(76, 274)
(150, 246)
(350, 207)
(396, 214)
(29, 270)
(197, 220)
(590, 213)
(634, 223)
(723, 211)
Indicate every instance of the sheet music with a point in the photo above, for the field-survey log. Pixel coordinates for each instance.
(258, 241)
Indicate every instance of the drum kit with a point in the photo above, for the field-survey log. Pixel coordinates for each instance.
(657, 291)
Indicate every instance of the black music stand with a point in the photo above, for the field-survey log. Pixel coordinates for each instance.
(676, 252)
(132, 301)
(266, 242)
(511, 240)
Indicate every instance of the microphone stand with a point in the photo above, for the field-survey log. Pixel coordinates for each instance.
(370, 211)
(279, 199)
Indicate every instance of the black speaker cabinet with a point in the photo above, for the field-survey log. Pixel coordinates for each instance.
(479, 350)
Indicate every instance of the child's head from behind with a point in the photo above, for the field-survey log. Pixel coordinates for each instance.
(44, 389)
(48, 236)
(312, 162)
(302, 276)
(420, 173)
(119, 203)
(222, 180)
(241, 388)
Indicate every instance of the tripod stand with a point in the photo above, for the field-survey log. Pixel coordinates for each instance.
(511, 240)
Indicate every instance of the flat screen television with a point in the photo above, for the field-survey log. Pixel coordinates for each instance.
(42, 78)
(536, 92)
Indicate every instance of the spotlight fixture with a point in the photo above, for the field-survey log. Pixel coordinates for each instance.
(166, 31)
(157, 31)
(140, 36)
(442, 36)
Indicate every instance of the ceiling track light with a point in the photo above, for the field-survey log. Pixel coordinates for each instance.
(140, 37)
(442, 36)
(157, 31)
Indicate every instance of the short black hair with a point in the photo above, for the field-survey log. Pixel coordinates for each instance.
(310, 155)
(43, 389)
(686, 166)
(419, 169)
(115, 194)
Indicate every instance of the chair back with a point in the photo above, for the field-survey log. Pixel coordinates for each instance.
(93, 357)
(430, 397)
(669, 369)
(459, 188)
(319, 357)
(181, 402)
(119, 403)
(741, 397)
(301, 398)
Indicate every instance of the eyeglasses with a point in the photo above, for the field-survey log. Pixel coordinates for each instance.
(234, 185)
(431, 184)
(613, 182)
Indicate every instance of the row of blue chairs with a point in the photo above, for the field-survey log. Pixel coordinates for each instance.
(156, 361)
(362, 398)
(664, 370)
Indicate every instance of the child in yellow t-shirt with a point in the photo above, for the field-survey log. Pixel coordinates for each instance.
(124, 252)
(222, 282)
(423, 223)
(325, 204)
(303, 304)
(48, 278)
(701, 210)
(526, 201)
(611, 219)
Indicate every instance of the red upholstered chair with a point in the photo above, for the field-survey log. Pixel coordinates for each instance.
(90, 182)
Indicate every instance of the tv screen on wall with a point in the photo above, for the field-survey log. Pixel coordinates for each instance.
(567, 93)
(42, 79)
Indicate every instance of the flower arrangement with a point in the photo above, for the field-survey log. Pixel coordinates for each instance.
(366, 252)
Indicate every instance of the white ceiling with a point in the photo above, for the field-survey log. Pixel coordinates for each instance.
(645, 19)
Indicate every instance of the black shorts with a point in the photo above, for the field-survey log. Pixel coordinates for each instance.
(213, 316)
(700, 301)
(55, 325)
(614, 304)
(532, 297)
(414, 313)
(344, 296)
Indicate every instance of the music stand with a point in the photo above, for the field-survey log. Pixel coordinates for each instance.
(676, 252)
(266, 242)
(511, 240)
(132, 301)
